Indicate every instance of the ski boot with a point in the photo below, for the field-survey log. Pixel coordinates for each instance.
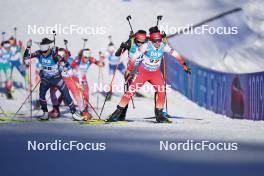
(123, 114)
(77, 116)
(116, 115)
(161, 117)
(55, 112)
(9, 94)
(45, 116)
(9, 86)
(86, 115)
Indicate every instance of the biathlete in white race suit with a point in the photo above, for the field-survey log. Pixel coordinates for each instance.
(149, 70)
(71, 82)
(80, 65)
(50, 75)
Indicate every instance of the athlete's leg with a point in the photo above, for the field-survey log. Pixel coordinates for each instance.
(9, 83)
(85, 94)
(72, 86)
(44, 86)
(55, 112)
(159, 86)
(21, 68)
(121, 67)
(53, 97)
(65, 91)
(137, 82)
(112, 69)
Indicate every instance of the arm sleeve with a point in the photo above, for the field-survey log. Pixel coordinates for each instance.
(121, 50)
(94, 61)
(75, 63)
(26, 55)
(174, 53)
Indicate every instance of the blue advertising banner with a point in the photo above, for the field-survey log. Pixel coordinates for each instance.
(234, 95)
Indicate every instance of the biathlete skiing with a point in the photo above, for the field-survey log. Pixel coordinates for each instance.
(132, 45)
(148, 70)
(50, 75)
(81, 65)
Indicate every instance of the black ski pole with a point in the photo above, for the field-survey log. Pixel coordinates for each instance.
(159, 17)
(110, 40)
(165, 82)
(30, 87)
(84, 42)
(54, 37)
(128, 19)
(204, 22)
(66, 44)
(110, 85)
(15, 30)
(30, 94)
(3, 36)
(108, 93)
(99, 83)
(94, 110)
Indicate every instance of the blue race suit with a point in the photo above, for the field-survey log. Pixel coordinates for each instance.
(114, 63)
(50, 77)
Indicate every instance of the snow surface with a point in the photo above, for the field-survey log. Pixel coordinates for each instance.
(133, 146)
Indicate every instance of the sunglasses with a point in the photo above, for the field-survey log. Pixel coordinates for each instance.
(139, 42)
(44, 48)
(157, 41)
(7, 45)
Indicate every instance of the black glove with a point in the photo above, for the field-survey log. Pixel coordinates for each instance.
(186, 68)
(123, 45)
(164, 35)
(122, 48)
